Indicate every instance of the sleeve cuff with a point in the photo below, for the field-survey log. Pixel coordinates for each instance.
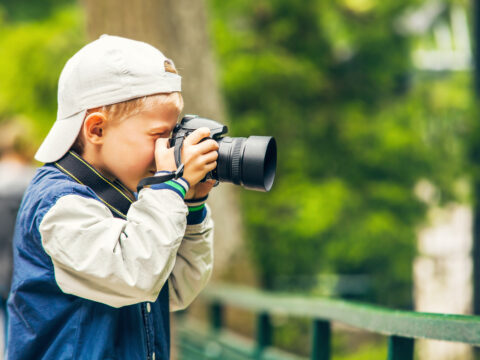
(197, 210)
(180, 186)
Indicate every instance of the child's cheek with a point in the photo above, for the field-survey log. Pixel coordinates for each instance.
(147, 161)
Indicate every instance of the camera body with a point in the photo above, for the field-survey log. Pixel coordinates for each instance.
(250, 162)
(190, 123)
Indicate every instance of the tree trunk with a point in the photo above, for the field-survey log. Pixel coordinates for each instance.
(179, 29)
(443, 274)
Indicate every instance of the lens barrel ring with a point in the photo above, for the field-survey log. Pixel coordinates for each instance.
(237, 155)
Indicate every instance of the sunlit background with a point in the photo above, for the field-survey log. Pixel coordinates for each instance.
(373, 106)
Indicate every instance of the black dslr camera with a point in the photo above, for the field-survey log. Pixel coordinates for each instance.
(250, 162)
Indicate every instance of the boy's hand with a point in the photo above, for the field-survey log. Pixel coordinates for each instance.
(164, 157)
(199, 158)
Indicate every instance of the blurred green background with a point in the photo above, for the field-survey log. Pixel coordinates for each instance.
(357, 125)
(360, 125)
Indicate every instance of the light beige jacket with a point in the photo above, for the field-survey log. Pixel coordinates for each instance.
(122, 262)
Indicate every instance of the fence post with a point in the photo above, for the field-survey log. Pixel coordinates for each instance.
(264, 332)
(216, 316)
(320, 340)
(400, 348)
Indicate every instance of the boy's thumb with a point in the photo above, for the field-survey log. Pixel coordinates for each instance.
(161, 143)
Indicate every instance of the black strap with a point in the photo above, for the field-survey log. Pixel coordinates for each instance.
(158, 179)
(112, 193)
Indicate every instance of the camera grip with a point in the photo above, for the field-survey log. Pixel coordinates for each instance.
(177, 151)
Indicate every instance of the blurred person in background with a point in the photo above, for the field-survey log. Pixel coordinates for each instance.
(15, 174)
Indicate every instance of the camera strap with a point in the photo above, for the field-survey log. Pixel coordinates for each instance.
(112, 193)
(160, 178)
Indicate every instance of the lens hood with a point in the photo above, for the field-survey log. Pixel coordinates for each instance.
(259, 163)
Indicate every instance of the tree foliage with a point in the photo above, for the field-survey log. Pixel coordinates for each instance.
(34, 51)
(356, 126)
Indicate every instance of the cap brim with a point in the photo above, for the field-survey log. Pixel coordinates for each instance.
(60, 138)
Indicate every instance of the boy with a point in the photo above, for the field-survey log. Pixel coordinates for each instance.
(96, 274)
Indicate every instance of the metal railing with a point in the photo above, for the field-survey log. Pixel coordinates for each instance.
(401, 327)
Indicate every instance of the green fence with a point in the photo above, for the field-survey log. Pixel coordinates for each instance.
(401, 327)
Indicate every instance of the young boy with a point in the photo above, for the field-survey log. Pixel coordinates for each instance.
(96, 274)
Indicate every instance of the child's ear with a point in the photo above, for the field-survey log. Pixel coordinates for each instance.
(94, 127)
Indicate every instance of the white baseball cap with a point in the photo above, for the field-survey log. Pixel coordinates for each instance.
(106, 71)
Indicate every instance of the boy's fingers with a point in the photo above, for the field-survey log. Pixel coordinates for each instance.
(207, 146)
(211, 166)
(210, 157)
(197, 135)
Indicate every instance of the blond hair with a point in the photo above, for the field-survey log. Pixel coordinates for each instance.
(124, 109)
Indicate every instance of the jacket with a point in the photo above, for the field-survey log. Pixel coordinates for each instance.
(91, 285)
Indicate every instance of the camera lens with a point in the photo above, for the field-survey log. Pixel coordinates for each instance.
(250, 162)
